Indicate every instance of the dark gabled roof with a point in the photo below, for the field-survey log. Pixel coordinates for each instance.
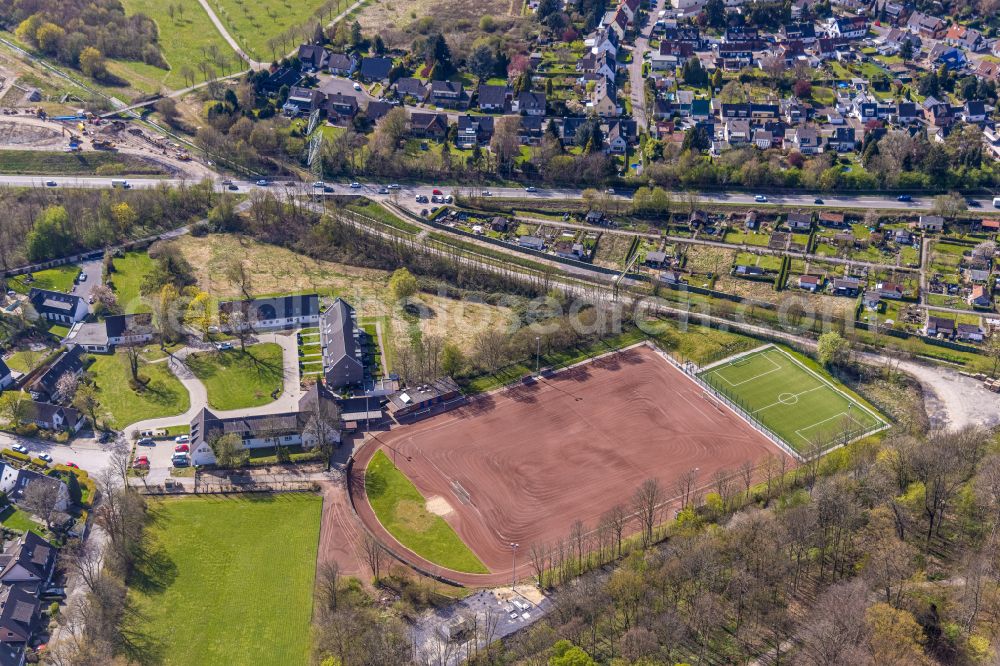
(446, 87)
(269, 309)
(377, 109)
(18, 614)
(313, 54)
(138, 324)
(531, 100)
(35, 555)
(493, 95)
(427, 121)
(26, 477)
(340, 61)
(11, 655)
(4, 370)
(205, 426)
(68, 361)
(975, 107)
(375, 68)
(339, 337)
(44, 300)
(46, 412)
(410, 86)
(941, 322)
(342, 100)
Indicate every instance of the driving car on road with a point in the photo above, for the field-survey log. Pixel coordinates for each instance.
(262, 182)
(383, 190)
(904, 198)
(51, 183)
(487, 193)
(818, 202)
(319, 184)
(531, 188)
(355, 185)
(394, 186)
(760, 198)
(233, 186)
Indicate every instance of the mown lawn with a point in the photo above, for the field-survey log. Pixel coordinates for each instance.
(25, 360)
(401, 509)
(50, 163)
(164, 395)
(127, 280)
(56, 279)
(229, 580)
(15, 519)
(235, 379)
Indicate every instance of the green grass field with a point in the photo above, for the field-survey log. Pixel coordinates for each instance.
(49, 163)
(229, 580)
(235, 379)
(254, 24)
(164, 395)
(55, 279)
(791, 400)
(127, 279)
(402, 510)
(186, 38)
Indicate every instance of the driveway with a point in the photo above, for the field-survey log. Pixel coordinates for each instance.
(94, 270)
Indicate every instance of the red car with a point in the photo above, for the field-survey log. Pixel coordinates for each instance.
(437, 192)
(73, 465)
(141, 461)
(181, 448)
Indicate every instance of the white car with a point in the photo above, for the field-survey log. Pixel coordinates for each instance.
(487, 193)
(319, 184)
(357, 86)
(760, 198)
(19, 448)
(394, 186)
(46, 457)
(531, 188)
(383, 190)
(181, 439)
(355, 185)
(224, 346)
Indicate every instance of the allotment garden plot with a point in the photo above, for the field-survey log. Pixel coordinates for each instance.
(791, 400)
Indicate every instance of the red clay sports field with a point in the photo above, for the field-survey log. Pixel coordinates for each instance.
(523, 464)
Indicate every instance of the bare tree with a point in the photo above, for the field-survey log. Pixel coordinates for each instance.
(617, 519)
(645, 502)
(328, 585)
(42, 498)
(375, 555)
(66, 387)
(685, 486)
(86, 561)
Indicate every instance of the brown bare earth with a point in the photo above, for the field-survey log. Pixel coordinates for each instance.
(340, 532)
(523, 464)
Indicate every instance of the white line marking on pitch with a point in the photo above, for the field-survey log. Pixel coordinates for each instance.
(755, 377)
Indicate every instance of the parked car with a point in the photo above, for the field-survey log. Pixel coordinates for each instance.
(46, 457)
(73, 465)
(182, 439)
(436, 191)
(83, 277)
(904, 198)
(357, 86)
(106, 436)
(180, 460)
(19, 448)
(181, 448)
(146, 441)
(53, 593)
(140, 462)
(90, 299)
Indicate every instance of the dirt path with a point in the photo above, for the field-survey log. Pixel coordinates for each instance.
(340, 531)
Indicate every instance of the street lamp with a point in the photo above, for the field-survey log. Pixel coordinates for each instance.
(513, 569)
(538, 350)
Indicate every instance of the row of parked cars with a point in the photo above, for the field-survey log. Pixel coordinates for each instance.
(180, 458)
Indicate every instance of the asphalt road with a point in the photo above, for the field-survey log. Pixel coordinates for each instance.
(407, 192)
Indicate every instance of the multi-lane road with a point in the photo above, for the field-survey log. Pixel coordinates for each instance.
(847, 201)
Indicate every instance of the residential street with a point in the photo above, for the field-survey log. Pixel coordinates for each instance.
(636, 81)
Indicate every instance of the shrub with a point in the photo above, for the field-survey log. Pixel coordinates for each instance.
(54, 609)
(38, 462)
(14, 455)
(26, 430)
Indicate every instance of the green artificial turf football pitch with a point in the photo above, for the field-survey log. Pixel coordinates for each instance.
(793, 401)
